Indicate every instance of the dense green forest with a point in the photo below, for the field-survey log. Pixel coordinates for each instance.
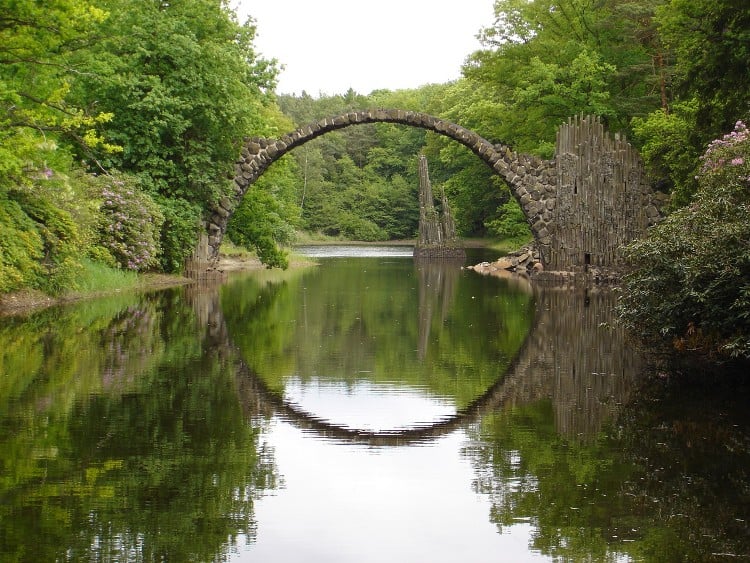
(120, 121)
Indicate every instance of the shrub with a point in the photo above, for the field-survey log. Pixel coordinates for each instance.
(58, 263)
(21, 247)
(257, 224)
(357, 228)
(691, 283)
(511, 223)
(130, 223)
(178, 233)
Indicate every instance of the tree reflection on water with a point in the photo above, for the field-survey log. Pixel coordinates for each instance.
(134, 428)
(123, 437)
(605, 466)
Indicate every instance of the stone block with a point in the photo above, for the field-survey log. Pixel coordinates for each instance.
(441, 126)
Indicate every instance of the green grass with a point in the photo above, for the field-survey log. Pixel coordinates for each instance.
(96, 277)
(510, 244)
(307, 237)
(228, 248)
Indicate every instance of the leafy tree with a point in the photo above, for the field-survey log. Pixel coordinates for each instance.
(546, 60)
(37, 46)
(43, 221)
(358, 182)
(671, 160)
(476, 193)
(710, 41)
(184, 85)
(709, 44)
(258, 225)
(269, 213)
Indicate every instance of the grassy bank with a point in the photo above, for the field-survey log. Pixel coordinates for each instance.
(506, 246)
(94, 280)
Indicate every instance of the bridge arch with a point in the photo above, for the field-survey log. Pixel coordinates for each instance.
(532, 180)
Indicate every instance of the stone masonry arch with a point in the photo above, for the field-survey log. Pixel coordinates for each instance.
(582, 206)
(532, 180)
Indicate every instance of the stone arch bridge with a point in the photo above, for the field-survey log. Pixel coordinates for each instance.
(581, 206)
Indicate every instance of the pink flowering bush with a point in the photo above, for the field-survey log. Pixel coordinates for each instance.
(730, 150)
(691, 283)
(130, 224)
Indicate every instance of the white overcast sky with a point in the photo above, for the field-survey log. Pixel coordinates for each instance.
(328, 46)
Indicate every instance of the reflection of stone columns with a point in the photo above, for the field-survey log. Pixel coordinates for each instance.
(573, 356)
(578, 358)
(205, 300)
(437, 288)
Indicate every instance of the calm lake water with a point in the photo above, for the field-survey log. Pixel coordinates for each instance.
(367, 409)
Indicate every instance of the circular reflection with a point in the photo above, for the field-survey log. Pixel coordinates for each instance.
(366, 405)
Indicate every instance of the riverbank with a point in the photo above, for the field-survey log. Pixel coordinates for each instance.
(233, 260)
(30, 300)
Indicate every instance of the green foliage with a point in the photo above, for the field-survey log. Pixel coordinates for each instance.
(707, 43)
(184, 85)
(710, 41)
(662, 137)
(58, 252)
(37, 44)
(691, 286)
(269, 213)
(360, 182)
(20, 247)
(354, 227)
(511, 224)
(257, 225)
(178, 233)
(546, 60)
(177, 87)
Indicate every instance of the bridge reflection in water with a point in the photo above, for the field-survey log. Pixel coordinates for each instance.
(574, 356)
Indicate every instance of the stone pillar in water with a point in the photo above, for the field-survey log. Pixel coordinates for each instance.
(437, 230)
